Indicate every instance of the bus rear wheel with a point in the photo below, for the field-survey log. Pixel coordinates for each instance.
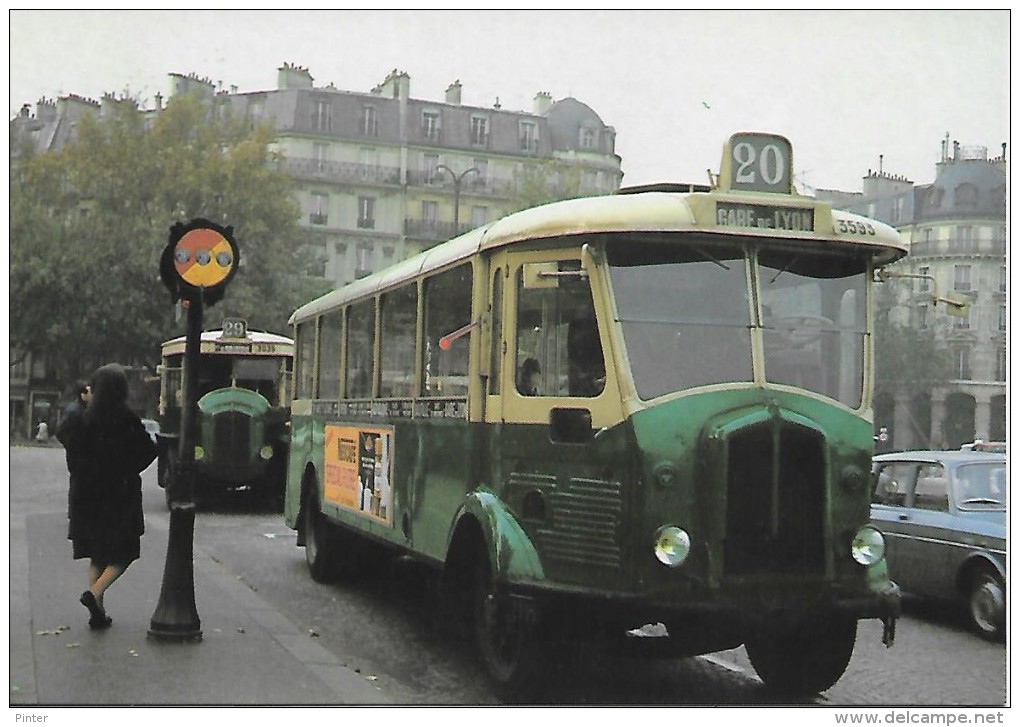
(803, 659)
(320, 542)
(506, 641)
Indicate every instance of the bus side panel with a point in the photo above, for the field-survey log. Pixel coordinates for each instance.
(443, 466)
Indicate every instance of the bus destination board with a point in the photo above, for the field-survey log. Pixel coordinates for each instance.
(761, 216)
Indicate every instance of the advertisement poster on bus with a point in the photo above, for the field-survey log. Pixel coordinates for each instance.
(359, 470)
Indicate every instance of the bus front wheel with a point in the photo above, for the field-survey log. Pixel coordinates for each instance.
(505, 640)
(803, 659)
(319, 542)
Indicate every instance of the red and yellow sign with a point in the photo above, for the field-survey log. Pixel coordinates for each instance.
(203, 258)
(359, 470)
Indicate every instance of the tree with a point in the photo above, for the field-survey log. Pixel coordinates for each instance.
(909, 361)
(88, 224)
(544, 181)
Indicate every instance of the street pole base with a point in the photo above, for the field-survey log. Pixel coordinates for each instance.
(174, 634)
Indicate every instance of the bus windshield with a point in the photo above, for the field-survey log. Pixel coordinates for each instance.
(684, 313)
(813, 322)
(686, 316)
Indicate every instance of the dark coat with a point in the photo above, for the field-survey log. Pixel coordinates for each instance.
(105, 455)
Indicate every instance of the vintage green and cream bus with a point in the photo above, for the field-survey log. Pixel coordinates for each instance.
(243, 412)
(649, 407)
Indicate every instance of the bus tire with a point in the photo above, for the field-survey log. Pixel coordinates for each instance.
(320, 542)
(506, 643)
(986, 604)
(803, 659)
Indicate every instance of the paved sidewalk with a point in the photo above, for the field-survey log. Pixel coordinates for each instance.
(250, 654)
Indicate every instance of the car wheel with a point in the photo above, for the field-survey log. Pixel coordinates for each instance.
(986, 604)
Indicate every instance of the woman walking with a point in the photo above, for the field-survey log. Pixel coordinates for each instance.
(107, 448)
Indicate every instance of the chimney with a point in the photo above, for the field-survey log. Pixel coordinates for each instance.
(543, 102)
(453, 93)
(159, 101)
(290, 76)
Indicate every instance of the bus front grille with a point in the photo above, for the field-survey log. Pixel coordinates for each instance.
(775, 501)
(231, 437)
(585, 523)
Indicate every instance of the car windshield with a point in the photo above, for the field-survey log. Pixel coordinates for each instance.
(981, 486)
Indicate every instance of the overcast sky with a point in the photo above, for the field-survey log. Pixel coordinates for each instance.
(844, 86)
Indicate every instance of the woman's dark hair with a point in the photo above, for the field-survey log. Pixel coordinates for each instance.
(109, 391)
(80, 387)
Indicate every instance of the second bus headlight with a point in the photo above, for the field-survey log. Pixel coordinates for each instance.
(266, 452)
(868, 546)
(672, 545)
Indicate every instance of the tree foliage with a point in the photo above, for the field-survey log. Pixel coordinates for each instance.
(544, 181)
(909, 360)
(88, 224)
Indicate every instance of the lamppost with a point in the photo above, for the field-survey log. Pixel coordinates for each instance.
(200, 258)
(457, 179)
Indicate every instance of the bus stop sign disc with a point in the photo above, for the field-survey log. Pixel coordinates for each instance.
(203, 258)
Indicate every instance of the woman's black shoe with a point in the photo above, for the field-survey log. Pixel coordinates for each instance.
(99, 619)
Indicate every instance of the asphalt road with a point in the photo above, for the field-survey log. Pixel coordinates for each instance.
(385, 626)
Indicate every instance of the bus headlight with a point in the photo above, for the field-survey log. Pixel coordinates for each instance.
(199, 452)
(672, 545)
(266, 452)
(868, 546)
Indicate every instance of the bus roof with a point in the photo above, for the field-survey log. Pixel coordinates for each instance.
(652, 211)
(217, 335)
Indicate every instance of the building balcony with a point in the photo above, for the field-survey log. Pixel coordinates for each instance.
(351, 172)
(318, 218)
(433, 229)
(958, 248)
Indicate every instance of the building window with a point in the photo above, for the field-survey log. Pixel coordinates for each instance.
(482, 165)
(921, 316)
(588, 138)
(430, 125)
(430, 214)
(528, 136)
(364, 260)
(964, 240)
(961, 277)
(961, 362)
(320, 209)
(479, 130)
(320, 154)
(369, 121)
(322, 115)
(366, 213)
(256, 109)
(962, 323)
(1003, 276)
(923, 284)
(966, 195)
(1000, 364)
(429, 168)
(1003, 317)
(897, 209)
(479, 216)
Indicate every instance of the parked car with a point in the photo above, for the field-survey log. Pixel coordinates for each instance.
(943, 515)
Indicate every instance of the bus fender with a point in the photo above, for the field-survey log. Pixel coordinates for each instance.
(512, 555)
